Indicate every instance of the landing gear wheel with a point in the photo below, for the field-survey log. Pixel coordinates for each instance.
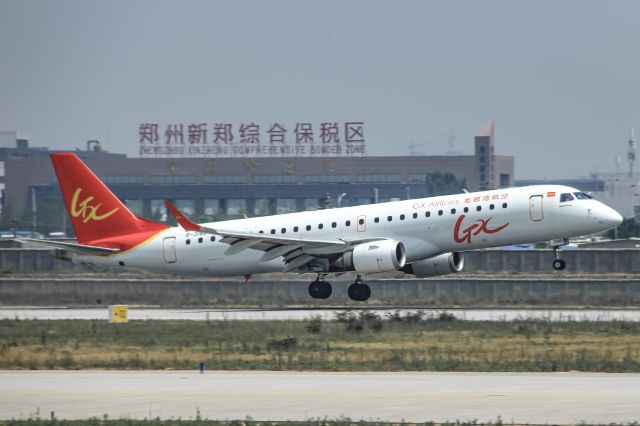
(359, 291)
(320, 289)
(559, 264)
(315, 289)
(326, 290)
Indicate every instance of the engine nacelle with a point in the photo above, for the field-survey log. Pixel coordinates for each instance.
(443, 264)
(373, 257)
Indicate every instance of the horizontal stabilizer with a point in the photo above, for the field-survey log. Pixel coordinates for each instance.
(76, 248)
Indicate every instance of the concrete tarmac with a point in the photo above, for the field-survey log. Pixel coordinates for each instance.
(413, 396)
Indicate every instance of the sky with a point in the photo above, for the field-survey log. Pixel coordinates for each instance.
(561, 79)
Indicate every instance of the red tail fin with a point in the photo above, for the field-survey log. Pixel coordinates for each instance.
(98, 215)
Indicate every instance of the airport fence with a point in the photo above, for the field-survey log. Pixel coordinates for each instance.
(468, 292)
(582, 261)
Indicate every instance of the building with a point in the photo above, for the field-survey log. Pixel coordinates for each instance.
(231, 187)
(15, 144)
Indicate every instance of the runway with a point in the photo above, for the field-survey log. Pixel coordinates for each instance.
(518, 397)
(249, 314)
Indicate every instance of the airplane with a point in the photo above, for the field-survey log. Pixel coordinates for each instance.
(422, 237)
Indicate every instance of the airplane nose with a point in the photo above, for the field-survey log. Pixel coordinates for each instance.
(610, 217)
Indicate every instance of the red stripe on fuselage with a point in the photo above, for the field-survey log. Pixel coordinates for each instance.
(129, 241)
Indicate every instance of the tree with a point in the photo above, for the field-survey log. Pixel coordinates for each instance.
(443, 183)
(8, 216)
(49, 216)
(324, 202)
(627, 229)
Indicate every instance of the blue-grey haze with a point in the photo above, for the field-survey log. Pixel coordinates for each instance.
(559, 77)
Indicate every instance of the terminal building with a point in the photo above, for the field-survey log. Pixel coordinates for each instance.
(215, 189)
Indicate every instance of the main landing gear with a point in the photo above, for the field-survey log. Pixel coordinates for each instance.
(359, 291)
(320, 289)
(559, 264)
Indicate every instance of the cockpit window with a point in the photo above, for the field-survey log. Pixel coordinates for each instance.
(566, 197)
(582, 196)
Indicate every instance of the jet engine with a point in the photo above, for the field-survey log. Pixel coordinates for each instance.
(373, 257)
(443, 264)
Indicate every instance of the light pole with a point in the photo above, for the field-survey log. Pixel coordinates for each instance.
(339, 199)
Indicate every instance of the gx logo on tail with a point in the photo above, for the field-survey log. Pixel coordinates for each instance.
(87, 211)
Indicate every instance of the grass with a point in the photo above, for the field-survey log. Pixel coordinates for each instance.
(250, 422)
(363, 342)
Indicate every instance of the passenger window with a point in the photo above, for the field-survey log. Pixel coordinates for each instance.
(320, 226)
(188, 242)
(491, 206)
(308, 227)
(295, 229)
(283, 230)
(348, 223)
(333, 225)
(273, 231)
(213, 239)
(466, 209)
(376, 220)
(402, 217)
(566, 197)
(427, 214)
(479, 208)
(415, 215)
(200, 240)
(504, 205)
(440, 212)
(361, 222)
(389, 218)
(261, 232)
(453, 211)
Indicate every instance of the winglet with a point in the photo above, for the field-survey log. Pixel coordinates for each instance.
(182, 220)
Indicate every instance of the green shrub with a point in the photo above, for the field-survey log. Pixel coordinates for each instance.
(314, 325)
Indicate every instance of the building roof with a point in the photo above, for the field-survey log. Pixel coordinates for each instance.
(487, 130)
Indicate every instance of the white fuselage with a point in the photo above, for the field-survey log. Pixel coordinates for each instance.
(427, 227)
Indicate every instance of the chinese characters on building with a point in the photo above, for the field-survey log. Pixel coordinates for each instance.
(324, 139)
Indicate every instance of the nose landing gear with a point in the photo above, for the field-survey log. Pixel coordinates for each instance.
(320, 289)
(559, 264)
(359, 291)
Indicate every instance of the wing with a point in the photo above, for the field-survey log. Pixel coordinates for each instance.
(297, 252)
(76, 248)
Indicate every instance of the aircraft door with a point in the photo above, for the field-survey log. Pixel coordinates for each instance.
(169, 250)
(362, 223)
(536, 210)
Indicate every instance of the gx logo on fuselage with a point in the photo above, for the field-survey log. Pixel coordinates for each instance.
(479, 226)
